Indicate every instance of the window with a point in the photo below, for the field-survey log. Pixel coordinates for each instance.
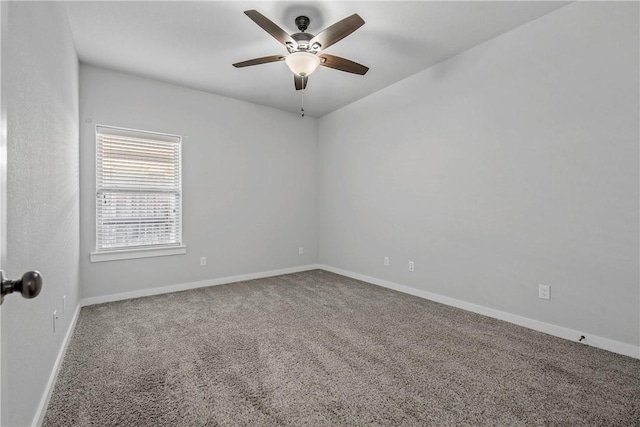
(138, 194)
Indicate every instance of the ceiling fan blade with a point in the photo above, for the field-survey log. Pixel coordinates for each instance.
(270, 27)
(342, 64)
(258, 61)
(337, 31)
(300, 82)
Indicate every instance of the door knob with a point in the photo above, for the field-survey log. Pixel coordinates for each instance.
(29, 285)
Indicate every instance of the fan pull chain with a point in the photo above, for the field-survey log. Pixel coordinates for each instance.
(302, 93)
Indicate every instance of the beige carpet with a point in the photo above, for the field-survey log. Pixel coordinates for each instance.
(319, 349)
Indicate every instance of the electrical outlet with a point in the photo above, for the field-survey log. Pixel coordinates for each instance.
(411, 266)
(64, 303)
(386, 261)
(544, 292)
(300, 250)
(203, 261)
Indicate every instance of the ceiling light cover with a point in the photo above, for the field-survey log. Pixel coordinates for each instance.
(302, 63)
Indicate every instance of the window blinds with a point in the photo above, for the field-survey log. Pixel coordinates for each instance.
(139, 189)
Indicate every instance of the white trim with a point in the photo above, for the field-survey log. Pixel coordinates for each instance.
(48, 390)
(116, 129)
(137, 253)
(537, 325)
(194, 285)
(3, 182)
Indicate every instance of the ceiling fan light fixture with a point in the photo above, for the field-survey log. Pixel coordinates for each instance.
(302, 63)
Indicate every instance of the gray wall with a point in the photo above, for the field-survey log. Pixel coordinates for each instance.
(249, 182)
(512, 164)
(40, 81)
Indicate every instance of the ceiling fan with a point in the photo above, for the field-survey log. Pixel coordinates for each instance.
(305, 49)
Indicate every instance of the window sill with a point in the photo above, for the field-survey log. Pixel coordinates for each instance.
(137, 253)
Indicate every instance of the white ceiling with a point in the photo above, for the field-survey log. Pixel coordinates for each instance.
(194, 43)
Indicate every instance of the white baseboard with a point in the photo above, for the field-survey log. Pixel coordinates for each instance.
(194, 285)
(44, 401)
(537, 325)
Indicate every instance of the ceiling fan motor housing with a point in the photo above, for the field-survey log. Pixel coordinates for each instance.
(302, 39)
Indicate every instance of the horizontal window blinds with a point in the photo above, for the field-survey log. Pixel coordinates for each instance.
(139, 189)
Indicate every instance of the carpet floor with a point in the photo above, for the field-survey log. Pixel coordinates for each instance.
(319, 349)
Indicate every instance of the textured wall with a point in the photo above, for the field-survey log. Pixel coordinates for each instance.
(249, 182)
(40, 81)
(512, 164)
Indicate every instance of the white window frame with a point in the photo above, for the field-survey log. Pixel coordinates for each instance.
(130, 252)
